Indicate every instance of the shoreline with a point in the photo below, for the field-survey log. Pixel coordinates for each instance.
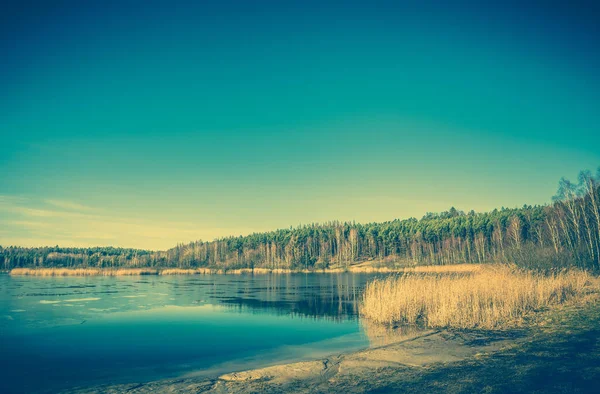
(357, 268)
(418, 350)
(431, 361)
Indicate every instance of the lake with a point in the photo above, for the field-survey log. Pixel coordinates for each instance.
(64, 332)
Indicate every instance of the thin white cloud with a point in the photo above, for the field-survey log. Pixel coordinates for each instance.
(5, 198)
(92, 236)
(39, 226)
(32, 211)
(69, 205)
(28, 224)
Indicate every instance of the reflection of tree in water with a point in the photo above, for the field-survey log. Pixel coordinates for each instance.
(328, 296)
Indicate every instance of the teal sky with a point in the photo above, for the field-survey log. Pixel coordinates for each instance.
(145, 124)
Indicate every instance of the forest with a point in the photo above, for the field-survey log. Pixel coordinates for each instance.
(563, 233)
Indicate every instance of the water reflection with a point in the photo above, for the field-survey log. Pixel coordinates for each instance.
(68, 300)
(331, 296)
(136, 329)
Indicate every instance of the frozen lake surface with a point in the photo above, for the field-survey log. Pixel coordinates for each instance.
(65, 332)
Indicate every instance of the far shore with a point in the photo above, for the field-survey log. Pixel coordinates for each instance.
(366, 267)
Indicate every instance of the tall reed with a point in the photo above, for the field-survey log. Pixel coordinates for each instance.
(492, 297)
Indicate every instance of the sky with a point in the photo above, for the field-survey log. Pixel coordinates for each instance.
(146, 124)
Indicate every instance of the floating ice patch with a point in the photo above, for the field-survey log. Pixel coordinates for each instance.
(101, 309)
(17, 310)
(49, 302)
(83, 299)
(135, 296)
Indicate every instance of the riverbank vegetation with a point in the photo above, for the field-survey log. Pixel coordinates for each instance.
(561, 234)
(496, 296)
(127, 271)
(361, 268)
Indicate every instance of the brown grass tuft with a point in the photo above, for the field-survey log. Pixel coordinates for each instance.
(185, 271)
(491, 297)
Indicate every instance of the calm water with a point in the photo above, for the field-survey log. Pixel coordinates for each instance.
(58, 333)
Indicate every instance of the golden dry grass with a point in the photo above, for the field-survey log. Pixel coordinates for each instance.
(185, 271)
(491, 297)
(361, 268)
(442, 269)
(381, 335)
(138, 271)
(457, 268)
(220, 271)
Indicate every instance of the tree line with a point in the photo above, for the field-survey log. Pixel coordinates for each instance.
(563, 233)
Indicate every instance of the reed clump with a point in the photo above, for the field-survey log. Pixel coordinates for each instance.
(491, 298)
(442, 269)
(186, 271)
(450, 268)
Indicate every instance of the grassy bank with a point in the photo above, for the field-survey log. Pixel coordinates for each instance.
(491, 297)
(361, 268)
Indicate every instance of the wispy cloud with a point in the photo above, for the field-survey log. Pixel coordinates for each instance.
(32, 211)
(32, 222)
(93, 236)
(69, 205)
(28, 224)
(4, 198)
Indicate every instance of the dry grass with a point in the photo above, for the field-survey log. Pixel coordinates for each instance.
(185, 271)
(139, 271)
(366, 270)
(220, 271)
(361, 268)
(382, 335)
(492, 297)
(443, 269)
(82, 271)
(455, 268)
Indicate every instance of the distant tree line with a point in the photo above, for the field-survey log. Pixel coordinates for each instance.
(563, 233)
(56, 256)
